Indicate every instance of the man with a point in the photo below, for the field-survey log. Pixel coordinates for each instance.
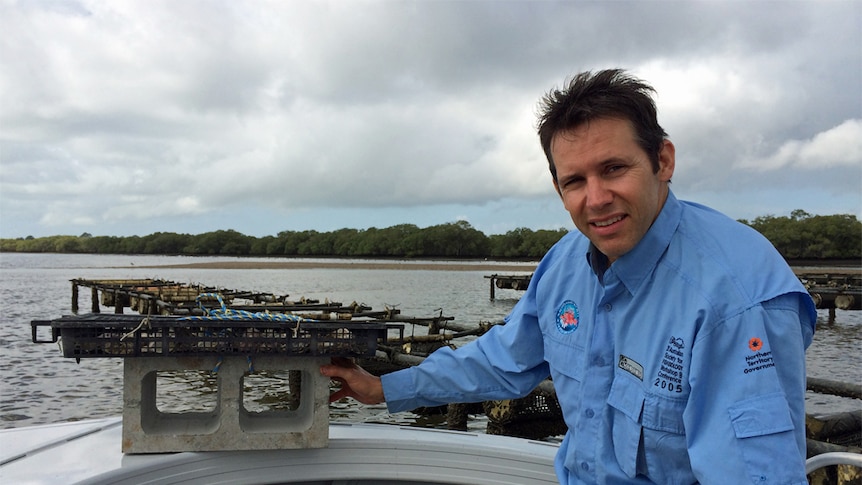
(675, 336)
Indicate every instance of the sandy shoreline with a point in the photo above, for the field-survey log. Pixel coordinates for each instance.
(395, 265)
(490, 268)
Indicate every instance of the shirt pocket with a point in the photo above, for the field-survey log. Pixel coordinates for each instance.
(565, 360)
(565, 357)
(764, 430)
(648, 433)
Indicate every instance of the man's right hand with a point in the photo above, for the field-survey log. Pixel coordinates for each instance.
(355, 381)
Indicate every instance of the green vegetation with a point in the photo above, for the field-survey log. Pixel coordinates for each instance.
(806, 236)
(800, 236)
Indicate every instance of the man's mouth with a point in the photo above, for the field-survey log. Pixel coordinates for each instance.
(607, 222)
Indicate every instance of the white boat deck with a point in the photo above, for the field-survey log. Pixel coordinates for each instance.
(89, 452)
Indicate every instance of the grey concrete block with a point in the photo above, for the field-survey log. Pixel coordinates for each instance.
(229, 426)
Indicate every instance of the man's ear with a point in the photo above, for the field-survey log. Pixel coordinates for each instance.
(666, 161)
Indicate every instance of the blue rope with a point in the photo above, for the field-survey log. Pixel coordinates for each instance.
(225, 313)
(221, 359)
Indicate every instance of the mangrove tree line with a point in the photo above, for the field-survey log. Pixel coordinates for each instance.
(799, 236)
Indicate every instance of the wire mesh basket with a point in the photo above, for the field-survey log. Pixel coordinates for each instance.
(98, 335)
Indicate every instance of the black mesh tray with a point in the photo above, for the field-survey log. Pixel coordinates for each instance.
(98, 335)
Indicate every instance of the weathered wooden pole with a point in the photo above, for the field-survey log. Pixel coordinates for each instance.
(94, 300)
(835, 388)
(74, 297)
(457, 416)
(294, 385)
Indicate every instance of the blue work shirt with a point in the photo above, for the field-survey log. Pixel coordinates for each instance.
(682, 362)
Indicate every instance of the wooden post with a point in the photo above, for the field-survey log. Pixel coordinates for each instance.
(94, 298)
(836, 388)
(456, 416)
(294, 383)
(118, 302)
(493, 277)
(74, 297)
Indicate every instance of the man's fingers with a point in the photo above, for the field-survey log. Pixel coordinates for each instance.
(355, 382)
(335, 373)
(331, 371)
(338, 395)
(343, 362)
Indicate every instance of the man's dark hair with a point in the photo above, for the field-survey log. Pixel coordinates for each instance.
(611, 93)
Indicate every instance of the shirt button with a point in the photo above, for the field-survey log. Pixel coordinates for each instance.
(589, 413)
(608, 307)
(585, 466)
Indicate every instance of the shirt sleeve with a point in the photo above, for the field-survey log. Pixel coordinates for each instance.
(505, 363)
(745, 419)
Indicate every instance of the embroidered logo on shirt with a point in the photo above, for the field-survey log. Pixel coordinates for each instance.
(755, 344)
(759, 360)
(670, 373)
(568, 317)
(631, 366)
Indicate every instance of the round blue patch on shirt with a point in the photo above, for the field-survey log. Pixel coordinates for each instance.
(568, 317)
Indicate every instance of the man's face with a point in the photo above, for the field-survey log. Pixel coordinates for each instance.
(607, 183)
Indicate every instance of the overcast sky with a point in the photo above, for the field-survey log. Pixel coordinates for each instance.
(133, 117)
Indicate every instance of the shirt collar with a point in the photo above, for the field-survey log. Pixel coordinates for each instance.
(636, 265)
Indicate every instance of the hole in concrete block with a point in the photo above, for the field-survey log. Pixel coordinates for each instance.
(272, 391)
(279, 402)
(186, 391)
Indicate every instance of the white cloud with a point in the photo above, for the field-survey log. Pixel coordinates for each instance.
(835, 147)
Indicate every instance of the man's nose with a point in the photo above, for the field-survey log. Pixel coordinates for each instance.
(598, 195)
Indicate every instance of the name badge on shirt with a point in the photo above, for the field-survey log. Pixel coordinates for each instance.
(632, 367)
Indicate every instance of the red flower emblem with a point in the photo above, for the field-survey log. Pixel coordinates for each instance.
(755, 344)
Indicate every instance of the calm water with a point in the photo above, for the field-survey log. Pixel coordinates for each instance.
(38, 386)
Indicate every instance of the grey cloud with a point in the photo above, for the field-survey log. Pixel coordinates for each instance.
(396, 104)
